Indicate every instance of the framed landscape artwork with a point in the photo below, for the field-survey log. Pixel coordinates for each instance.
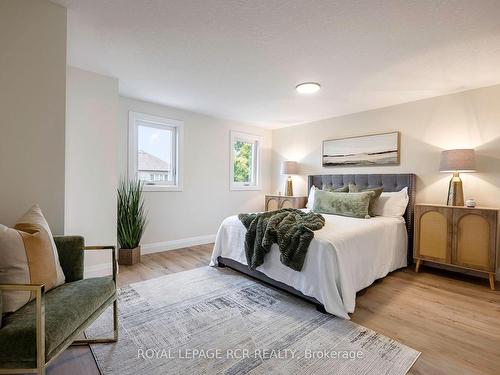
(376, 149)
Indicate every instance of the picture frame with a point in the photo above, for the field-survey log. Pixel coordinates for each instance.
(382, 149)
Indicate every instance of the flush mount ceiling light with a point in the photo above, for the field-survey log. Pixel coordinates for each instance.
(308, 87)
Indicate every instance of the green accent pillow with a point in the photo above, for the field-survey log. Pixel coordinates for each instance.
(343, 189)
(344, 204)
(356, 189)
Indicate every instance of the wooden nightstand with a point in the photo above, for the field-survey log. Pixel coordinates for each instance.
(462, 237)
(275, 202)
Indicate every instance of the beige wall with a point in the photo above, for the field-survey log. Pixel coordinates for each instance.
(91, 160)
(467, 119)
(32, 108)
(206, 199)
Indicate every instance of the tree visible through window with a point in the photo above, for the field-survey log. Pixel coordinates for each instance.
(243, 161)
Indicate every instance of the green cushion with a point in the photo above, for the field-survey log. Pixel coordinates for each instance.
(67, 307)
(343, 189)
(344, 204)
(378, 191)
(70, 251)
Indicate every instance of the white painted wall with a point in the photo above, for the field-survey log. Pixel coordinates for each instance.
(467, 119)
(32, 109)
(206, 199)
(91, 161)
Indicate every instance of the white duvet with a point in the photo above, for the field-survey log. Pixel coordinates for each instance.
(345, 256)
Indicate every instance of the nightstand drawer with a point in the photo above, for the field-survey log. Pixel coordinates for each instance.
(474, 239)
(433, 233)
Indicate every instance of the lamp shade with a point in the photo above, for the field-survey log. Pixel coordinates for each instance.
(460, 160)
(289, 167)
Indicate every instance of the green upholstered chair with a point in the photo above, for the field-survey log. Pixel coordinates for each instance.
(33, 336)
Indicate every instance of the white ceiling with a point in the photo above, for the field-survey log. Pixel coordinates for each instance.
(241, 59)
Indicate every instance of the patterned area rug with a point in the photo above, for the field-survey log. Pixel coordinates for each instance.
(217, 321)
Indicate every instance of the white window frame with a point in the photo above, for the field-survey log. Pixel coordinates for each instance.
(159, 122)
(258, 142)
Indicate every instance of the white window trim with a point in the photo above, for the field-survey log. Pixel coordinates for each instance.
(133, 117)
(258, 174)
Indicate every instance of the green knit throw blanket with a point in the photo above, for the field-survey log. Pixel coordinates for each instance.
(292, 229)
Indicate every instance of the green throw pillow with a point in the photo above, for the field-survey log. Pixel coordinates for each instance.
(331, 189)
(344, 204)
(356, 189)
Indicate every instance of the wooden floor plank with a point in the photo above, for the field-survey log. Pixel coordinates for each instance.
(454, 320)
(451, 321)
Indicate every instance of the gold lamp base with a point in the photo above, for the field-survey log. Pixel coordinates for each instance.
(289, 187)
(455, 191)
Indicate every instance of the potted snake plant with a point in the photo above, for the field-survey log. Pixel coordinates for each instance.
(131, 221)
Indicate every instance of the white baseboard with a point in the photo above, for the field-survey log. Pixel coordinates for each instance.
(176, 244)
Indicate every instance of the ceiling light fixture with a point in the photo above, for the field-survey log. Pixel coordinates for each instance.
(308, 87)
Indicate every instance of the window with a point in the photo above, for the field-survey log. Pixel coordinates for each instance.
(245, 161)
(154, 151)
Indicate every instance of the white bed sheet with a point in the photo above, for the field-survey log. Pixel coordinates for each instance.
(345, 256)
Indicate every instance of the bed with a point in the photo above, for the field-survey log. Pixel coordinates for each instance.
(345, 256)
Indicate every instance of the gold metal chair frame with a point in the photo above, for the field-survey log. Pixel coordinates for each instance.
(39, 290)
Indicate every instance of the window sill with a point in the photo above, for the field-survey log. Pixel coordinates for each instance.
(243, 188)
(161, 188)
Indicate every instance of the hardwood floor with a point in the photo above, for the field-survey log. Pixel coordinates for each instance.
(454, 320)
(160, 264)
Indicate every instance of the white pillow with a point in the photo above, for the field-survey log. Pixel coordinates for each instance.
(391, 204)
(310, 199)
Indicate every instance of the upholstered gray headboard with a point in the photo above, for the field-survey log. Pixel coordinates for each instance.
(390, 182)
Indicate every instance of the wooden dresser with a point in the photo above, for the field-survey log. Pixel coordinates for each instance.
(275, 202)
(466, 238)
